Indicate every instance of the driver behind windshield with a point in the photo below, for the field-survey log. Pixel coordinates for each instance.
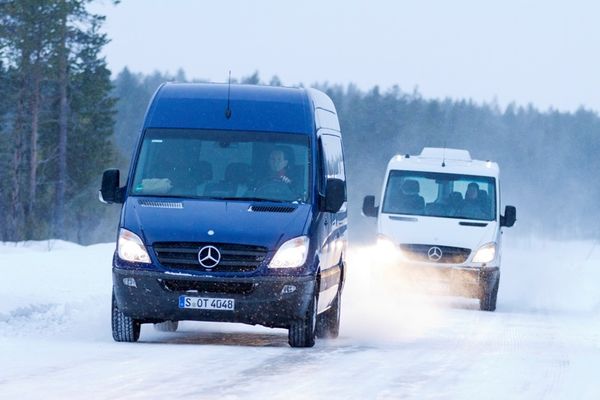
(278, 183)
(278, 165)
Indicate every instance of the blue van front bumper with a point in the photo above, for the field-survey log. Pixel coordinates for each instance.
(153, 296)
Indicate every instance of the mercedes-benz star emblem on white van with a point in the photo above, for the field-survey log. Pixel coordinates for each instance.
(209, 257)
(434, 253)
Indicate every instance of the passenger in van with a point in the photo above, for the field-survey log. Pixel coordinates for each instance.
(471, 207)
(407, 200)
(455, 202)
(484, 203)
(412, 201)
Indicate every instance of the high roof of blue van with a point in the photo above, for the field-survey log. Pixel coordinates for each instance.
(253, 108)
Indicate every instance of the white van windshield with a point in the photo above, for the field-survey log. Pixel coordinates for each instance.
(440, 195)
(223, 165)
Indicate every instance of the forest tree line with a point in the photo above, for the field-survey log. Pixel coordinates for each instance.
(56, 119)
(63, 120)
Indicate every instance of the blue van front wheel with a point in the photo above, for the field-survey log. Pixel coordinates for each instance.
(124, 328)
(301, 333)
(328, 323)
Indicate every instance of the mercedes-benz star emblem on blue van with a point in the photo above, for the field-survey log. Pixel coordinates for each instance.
(209, 257)
(434, 253)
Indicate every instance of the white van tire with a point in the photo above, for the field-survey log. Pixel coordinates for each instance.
(301, 333)
(124, 328)
(167, 326)
(488, 296)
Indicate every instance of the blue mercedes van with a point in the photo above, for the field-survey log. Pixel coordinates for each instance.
(234, 210)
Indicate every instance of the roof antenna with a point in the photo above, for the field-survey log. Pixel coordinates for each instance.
(228, 109)
(446, 138)
(444, 156)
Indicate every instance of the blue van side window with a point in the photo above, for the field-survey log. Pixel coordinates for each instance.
(321, 168)
(334, 157)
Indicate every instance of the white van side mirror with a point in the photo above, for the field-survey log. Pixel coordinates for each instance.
(509, 218)
(368, 208)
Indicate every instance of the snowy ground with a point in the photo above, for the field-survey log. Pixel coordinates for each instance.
(543, 342)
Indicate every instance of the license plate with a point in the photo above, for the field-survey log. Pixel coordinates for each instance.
(206, 303)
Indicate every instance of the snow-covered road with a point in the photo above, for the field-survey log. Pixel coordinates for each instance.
(543, 342)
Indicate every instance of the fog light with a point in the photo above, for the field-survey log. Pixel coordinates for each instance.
(288, 289)
(129, 282)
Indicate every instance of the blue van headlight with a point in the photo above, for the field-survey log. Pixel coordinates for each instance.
(291, 254)
(131, 248)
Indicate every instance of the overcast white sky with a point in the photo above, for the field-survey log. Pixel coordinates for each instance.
(545, 52)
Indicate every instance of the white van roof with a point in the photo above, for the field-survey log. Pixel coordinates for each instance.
(433, 159)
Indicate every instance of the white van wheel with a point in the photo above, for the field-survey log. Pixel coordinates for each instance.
(487, 299)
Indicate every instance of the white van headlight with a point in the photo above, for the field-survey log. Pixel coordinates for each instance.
(291, 254)
(131, 248)
(486, 253)
(387, 251)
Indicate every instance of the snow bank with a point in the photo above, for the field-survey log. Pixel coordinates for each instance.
(550, 275)
(54, 287)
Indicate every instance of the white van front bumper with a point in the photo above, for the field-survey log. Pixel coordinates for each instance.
(459, 280)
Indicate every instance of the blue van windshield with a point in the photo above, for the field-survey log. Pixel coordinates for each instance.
(440, 195)
(223, 165)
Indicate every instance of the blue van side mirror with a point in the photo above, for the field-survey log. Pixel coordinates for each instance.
(110, 191)
(368, 208)
(509, 218)
(335, 195)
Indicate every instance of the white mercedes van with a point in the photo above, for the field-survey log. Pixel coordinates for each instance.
(440, 214)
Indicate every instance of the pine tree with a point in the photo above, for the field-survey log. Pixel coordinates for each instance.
(57, 82)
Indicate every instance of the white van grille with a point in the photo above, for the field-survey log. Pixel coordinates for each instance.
(420, 252)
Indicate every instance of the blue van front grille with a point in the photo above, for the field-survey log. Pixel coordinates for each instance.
(234, 257)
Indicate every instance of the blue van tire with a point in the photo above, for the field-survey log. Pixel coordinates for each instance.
(301, 333)
(124, 328)
(328, 323)
(166, 326)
